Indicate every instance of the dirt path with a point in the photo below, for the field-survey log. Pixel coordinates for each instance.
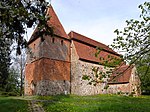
(35, 106)
(33, 103)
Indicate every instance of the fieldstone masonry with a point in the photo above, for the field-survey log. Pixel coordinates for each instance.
(80, 68)
(57, 64)
(131, 87)
(46, 87)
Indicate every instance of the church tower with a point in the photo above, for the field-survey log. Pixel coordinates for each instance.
(47, 69)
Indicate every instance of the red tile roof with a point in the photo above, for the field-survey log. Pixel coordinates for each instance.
(121, 74)
(54, 23)
(86, 48)
(87, 53)
(76, 36)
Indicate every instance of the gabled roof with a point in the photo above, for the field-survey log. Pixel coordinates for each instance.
(83, 39)
(121, 74)
(87, 53)
(54, 22)
(86, 49)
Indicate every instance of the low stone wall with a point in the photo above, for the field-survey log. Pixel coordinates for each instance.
(117, 88)
(131, 87)
(47, 87)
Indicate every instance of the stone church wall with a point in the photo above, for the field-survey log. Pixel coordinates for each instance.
(80, 86)
(131, 87)
(80, 68)
(48, 87)
(119, 88)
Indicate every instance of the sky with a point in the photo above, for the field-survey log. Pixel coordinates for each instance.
(96, 19)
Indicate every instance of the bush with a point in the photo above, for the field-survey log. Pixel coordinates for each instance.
(146, 92)
(4, 93)
(12, 94)
(8, 94)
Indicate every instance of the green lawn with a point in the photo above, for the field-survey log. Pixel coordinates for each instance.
(71, 103)
(12, 104)
(99, 103)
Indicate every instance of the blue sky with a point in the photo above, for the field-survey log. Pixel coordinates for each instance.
(96, 19)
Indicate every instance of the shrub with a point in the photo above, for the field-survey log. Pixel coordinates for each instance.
(8, 94)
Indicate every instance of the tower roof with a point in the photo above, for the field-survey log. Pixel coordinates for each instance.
(53, 22)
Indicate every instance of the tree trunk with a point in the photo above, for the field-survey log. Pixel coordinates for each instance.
(21, 76)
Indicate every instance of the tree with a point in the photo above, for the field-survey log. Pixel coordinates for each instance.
(144, 74)
(15, 17)
(134, 41)
(21, 63)
(13, 83)
(18, 15)
(4, 62)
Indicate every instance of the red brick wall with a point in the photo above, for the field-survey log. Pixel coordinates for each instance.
(46, 69)
(47, 60)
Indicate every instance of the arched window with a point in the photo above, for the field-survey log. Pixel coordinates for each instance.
(62, 42)
(34, 47)
(53, 40)
(32, 85)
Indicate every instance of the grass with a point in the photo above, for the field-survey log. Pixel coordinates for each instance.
(13, 104)
(72, 103)
(98, 103)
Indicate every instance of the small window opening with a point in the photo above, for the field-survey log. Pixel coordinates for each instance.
(34, 47)
(53, 40)
(62, 42)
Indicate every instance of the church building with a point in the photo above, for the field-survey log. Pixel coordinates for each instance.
(57, 64)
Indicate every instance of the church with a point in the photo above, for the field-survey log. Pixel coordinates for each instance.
(57, 65)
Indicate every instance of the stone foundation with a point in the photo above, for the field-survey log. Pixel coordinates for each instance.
(116, 88)
(46, 87)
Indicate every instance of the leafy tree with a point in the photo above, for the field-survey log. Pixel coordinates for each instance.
(134, 41)
(144, 73)
(19, 64)
(13, 83)
(4, 62)
(18, 15)
(15, 17)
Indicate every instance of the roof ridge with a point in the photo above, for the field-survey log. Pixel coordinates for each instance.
(53, 22)
(89, 38)
(90, 41)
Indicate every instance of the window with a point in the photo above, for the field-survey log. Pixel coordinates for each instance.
(34, 47)
(53, 40)
(32, 86)
(62, 42)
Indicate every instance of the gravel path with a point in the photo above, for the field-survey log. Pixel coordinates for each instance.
(35, 106)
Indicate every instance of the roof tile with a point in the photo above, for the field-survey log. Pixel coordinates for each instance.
(84, 39)
(54, 23)
(121, 74)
